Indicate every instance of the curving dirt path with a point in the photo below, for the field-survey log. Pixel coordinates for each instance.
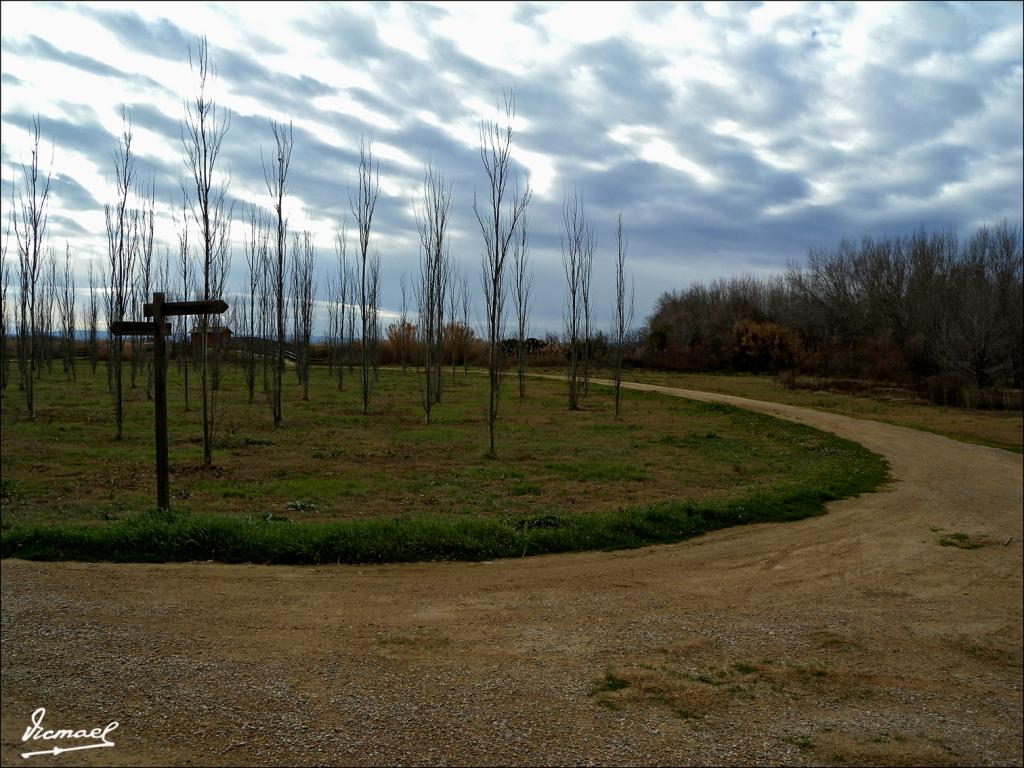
(852, 637)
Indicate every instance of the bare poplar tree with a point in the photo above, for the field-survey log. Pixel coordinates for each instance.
(432, 215)
(253, 259)
(623, 316)
(466, 303)
(276, 177)
(403, 321)
(46, 316)
(343, 287)
(522, 288)
(575, 246)
(186, 271)
(586, 273)
(363, 204)
(374, 310)
(5, 281)
(202, 135)
(30, 217)
(66, 307)
(451, 328)
(92, 321)
(498, 222)
(122, 225)
(144, 282)
(303, 298)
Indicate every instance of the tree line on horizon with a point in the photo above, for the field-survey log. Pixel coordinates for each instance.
(927, 310)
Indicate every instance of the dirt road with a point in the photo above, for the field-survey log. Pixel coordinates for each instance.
(852, 637)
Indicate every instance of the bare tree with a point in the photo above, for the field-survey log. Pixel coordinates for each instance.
(66, 308)
(122, 225)
(92, 321)
(202, 135)
(576, 244)
(343, 289)
(144, 282)
(452, 331)
(432, 216)
(186, 272)
(586, 273)
(623, 317)
(975, 335)
(403, 320)
(276, 177)
(522, 288)
(30, 232)
(363, 204)
(303, 298)
(374, 310)
(466, 305)
(46, 315)
(498, 223)
(255, 253)
(5, 280)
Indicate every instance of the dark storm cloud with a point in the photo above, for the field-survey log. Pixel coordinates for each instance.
(909, 108)
(39, 48)
(154, 37)
(86, 136)
(71, 194)
(60, 227)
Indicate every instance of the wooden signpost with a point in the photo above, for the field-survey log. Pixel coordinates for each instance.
(158, 329)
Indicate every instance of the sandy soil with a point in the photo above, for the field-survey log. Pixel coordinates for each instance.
(849, 638)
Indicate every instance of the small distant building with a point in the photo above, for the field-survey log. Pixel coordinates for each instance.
(215, 332)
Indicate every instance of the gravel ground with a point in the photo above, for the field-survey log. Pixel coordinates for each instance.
(849, 638)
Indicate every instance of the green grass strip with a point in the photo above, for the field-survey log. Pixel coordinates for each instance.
(157, 536)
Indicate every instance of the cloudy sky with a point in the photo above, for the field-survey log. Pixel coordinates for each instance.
(731, 136)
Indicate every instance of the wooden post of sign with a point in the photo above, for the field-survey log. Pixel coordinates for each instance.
(163, 486)
(158, 329)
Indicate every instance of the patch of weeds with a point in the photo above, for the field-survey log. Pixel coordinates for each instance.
(803, 742)
(8, 490)
(687, 714)
(960, 540)
(538, 521)
(834, 640)
(741, 691)
(270, 517)
(607, 471)
(743, 668)
(712, 677)
(300, 506)
(986, 653)
(811, 674)
(525, 489)
(609, 684)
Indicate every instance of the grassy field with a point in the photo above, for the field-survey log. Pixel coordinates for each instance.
(998, 429)
(563, 480)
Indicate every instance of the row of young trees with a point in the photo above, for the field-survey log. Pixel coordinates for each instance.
(281, 289)
(897, 308)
